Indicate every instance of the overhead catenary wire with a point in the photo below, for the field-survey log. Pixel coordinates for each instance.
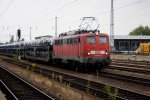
(4, 11)
(38, 20)
(52, 12)
(67, 12)
(116, 9)
(1, 2)
(131, 4)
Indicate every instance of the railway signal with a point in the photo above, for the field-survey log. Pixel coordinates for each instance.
(18, 34)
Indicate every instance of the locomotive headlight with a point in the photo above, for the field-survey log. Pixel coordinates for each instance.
(106, 52)
(89, 52)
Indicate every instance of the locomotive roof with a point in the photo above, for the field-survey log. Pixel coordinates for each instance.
(77, 35)
(135, 37)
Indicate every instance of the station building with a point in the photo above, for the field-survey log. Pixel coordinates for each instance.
(127, 43)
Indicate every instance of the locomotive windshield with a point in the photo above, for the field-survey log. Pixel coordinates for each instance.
(102, 39)
(91, 39)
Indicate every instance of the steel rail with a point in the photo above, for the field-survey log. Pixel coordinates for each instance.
(99, 88)
(131, 64)
(22, 89)
(130, 69)
(131, 61)
(6, 90)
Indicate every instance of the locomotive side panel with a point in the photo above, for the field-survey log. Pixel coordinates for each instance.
(86, 49)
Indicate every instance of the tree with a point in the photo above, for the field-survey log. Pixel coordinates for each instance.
(141, 30)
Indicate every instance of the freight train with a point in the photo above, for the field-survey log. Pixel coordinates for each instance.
(82, 49)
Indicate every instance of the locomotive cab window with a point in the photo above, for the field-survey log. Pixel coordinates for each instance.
(103, 39)
(91, 39)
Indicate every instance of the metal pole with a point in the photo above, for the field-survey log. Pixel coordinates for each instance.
(56, 26)
(112, 26)
(30, 32)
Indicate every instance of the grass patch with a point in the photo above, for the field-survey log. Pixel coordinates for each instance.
(112, 92)
(54, 86)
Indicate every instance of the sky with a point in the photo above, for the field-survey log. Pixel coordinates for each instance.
(39, 15)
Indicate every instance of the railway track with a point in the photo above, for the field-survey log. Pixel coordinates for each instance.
(132, 63)
(135, 67)
(131, 66)
(129, 69)
(92, 87)
(18, 89)
(142, 81)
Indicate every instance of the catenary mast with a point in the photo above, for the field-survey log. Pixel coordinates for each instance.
(112, 26)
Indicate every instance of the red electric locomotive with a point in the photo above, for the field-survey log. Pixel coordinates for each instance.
(85, 48)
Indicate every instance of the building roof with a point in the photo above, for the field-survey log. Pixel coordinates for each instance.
(43, 37)
(132, 37)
